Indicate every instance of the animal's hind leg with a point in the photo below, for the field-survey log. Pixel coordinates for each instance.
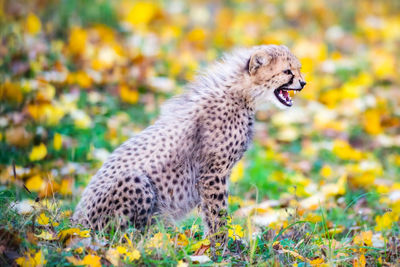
(134, 200)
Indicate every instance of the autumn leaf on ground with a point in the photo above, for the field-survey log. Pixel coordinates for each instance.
(45, 235)
(42, 219)
(65, 234)
(38, 152)
(88, 260)
(32, 258)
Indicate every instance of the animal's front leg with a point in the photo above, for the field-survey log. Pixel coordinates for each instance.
(213, 192)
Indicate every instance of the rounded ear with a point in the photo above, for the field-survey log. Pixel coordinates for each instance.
(258, 59)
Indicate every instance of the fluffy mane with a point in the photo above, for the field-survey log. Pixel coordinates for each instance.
(213, 81)
(222, 72)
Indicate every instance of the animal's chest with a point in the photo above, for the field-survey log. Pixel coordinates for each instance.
(239, 133)
(229, 134)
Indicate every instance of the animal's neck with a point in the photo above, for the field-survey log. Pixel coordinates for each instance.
(229, 76)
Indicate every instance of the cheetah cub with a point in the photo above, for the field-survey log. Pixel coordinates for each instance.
(184, 160)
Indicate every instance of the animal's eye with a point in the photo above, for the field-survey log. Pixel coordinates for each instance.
(289, 72)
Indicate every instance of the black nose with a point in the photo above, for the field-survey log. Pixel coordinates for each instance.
(302, 84)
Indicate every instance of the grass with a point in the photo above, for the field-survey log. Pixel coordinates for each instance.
(300, 239)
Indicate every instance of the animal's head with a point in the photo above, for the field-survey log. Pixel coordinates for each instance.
(275, 71)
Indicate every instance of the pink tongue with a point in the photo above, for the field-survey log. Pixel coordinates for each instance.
(285, 94)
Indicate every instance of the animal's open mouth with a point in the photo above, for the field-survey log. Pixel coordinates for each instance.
(283, 95)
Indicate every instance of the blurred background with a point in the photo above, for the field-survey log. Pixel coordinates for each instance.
(79, 77)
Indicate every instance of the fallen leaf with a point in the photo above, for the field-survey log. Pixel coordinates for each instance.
(57, 141)
(182, 240)
(31, 258)
(35, 183)
(38, 152)
(201, 250)
(63, 235)
(235, 231)
(113, 256)
(18, 136)
(45, 235)
(32, 24)
(88, 260)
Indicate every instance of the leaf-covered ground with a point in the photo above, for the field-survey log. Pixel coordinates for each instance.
(319, 187)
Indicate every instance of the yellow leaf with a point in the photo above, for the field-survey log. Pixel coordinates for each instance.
(372, 122)
(317, 262)
(132, 255)
(360, 262)
(81, 119)
(334, 231)
(325, 171)
(11, 92)
(79, 250)
(66, 213)
(88, 260)
(31, 259)
(46, 236)
(84, 233)
(57, 141)
(383, 64)
(122, 250)
(330, 98)
(35, 183)
(113, 256)
(128, 95)
(32, 24)
(159, 240)
(197, 35)
(128, 240)
(66, 187)
(235, 231)
(47, 113)
(363, 239)
(365, 179)
(385, 221)
(38, 152)
(237, 172)
(141, 13)
(196, 246)
(66, 233)
(312, 217)
(344, 151)
(49, 188)
(83, 79)
(46, 92)
(92, 261)
(182, 240)
(77, 40)
(44, 220)
(338, 188)
(235, 200)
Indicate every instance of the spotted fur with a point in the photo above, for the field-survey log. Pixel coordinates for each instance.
(185, 159)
